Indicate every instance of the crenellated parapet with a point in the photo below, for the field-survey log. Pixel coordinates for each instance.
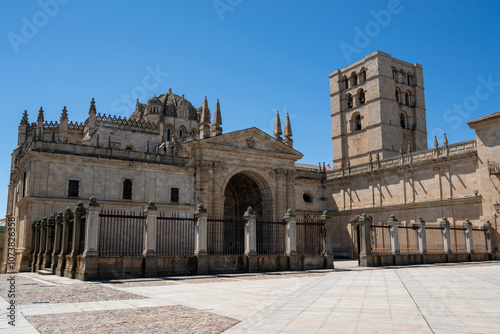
(112, 119)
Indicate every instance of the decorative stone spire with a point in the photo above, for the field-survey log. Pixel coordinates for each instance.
(409, 148)
(445, 140)
(64, 114)
(92, 109)
(92, 117)
(216, 124)
(288, 132)
(205, 120)
(40, 116)
(400, 149)
(435, 142)
(277, 127)
(24, 120)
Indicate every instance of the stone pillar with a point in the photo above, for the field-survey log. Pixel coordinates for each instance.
(149, 253)
(487, 238)
(36, 237)
(469, 247)
(57, 242)
(445, 234)
(327, 240)
(61, 263)
(75, 249)
(365, 246)
(47, 258)
(200, 239)
(291, 240)
(419, 225)
(43, 233)
(394, 239)
(90, 256)
(251, 239)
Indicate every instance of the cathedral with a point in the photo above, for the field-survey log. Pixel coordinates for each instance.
(176, 155)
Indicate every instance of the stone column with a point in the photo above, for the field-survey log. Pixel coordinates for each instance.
(47, 258)
(90, 256)
(36, 236)
(251, 239)
(57, 242)
(445, 234)
(61, 263)
(200, 239)
(291, 240)
(149, 253)
(469, 247)
(327, 240)
(365, 247)
(487, 238)
(75, 249)
(419, 225)
(43, 233)
(394, 239)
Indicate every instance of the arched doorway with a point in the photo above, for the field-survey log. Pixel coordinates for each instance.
(244, 190)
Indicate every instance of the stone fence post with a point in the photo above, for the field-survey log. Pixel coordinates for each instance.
(61, 263)
(445, 234)
(421, 236)
(150, 230)
(90, 256)
(251, 239)
(327, 240)
(75, 244)
(393, 235)
(365, 246)
(291, 240)
(57, 242)
(487, 238)
(36, 236)
(43, 231)
(200, 239)
(469, 247)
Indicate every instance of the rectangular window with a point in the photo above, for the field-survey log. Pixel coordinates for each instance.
(24, 184)
(174, 195)
(73, 189)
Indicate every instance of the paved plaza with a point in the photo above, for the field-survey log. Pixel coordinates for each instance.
(451, 298)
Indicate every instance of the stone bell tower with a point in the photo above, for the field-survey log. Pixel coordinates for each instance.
(377, 107)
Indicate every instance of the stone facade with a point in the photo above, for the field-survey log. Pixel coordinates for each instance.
(177, 156)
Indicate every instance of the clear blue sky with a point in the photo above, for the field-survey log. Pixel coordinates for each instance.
(255, 56)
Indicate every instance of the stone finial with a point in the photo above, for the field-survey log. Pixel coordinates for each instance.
(199, 209)
(216, 124)
(392, 219)
(92, 109)
(59, 217)
(445, 139)
(40, 116)
(249, 212)
(151, 206)
(64, 114)
(277, 127)
(436, 142)
(205, 113)
(170, 90)
(93, 201)
(400, 149)
(288, 132)
(444, 222)
(409, 148)
(24, 119)
(420, 220)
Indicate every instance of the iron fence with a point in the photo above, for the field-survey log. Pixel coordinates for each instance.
(310, 235)
(271, 237)
(380, 239)
(175, 236)
(457, 235)
(121, 233)
(225, 236)
(407, 240)
(434, 240)
(479, 241)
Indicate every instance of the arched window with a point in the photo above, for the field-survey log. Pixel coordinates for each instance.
(361, 97)
(354, 79)
(349, 101)
(407, 98)
(400, 77)
(402, 120)
(169, 135)
(363, 75)
(182, 131)
(394, 73)
(356, 122)
(397, 95)
(346, 82)
(408, 79)
(127, 189)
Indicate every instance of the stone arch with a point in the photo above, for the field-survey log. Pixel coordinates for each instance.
(243, 188)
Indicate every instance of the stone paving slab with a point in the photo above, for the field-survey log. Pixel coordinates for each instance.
(451, 298)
